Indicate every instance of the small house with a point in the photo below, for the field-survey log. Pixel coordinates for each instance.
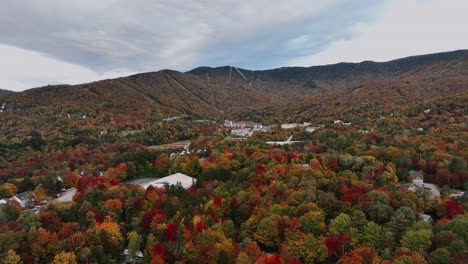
(24, 199)
(426, 218)
(417, 178)
(129, 259)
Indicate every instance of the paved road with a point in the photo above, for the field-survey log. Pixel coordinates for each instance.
(67, 196)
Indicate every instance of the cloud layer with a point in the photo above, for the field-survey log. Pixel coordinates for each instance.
(404, 28)
(73, 41)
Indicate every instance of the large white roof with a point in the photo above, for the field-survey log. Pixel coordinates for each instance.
(174, 179)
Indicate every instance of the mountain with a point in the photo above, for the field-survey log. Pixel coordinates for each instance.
(5, 92)
(231, 92)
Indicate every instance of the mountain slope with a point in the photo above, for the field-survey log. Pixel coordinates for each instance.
(230, 92)
(5, 93)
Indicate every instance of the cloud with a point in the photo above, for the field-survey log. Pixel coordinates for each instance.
(21, 69)
(145, 35)
(404, 28)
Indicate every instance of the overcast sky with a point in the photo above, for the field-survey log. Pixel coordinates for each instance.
(75, 41)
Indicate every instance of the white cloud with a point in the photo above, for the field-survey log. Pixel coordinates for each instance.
(147, 35)
(405, 28)
(22, 69)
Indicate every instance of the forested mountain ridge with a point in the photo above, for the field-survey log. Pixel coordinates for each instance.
(5, 92)
(229, 91)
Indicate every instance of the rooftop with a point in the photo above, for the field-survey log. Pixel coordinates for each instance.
(174, 179)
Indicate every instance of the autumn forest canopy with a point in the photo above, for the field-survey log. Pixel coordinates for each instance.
(375, 171)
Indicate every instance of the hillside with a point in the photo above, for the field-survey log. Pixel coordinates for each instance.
(5, 92)
(227, 92)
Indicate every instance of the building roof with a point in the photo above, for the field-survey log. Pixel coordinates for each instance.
(24, 195)
(174, 179)
(139, 254)
(426, 217)
(416, 175)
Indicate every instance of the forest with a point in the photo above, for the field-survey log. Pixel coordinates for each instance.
(341, 194)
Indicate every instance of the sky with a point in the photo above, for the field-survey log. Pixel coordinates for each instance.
(77, 41)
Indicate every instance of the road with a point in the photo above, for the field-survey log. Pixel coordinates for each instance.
(67, 196)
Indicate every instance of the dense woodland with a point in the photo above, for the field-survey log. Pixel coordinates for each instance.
(253, 203)
(335, 196)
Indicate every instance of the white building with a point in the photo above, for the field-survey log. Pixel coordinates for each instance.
(417, 178)
(281, 143)
(174, 179)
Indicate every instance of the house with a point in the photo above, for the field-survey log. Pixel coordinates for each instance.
(417, 178)
(281, 143)
(243, 132)
(312, 129)
(432, 190)
(410, 187)
(294, 125)
(464, 197)
(128, 259)
(341, 122)
(288, 126)
(426, 218)
(417, 184)
(24, 199)
(234, 125)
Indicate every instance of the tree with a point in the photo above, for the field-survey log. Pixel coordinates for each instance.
(7, 190)
(440, 256)
(109, 234)
(401, 220)
(10, 212)
(457, 164)
(308, 248)
(29, 219)
(39, 194)
(313, 222)
(340, 224)
(51, 184)
(418, 240)
(71, 179)
(267, 232)
(377, 212)
(269, 259)
(134, 244)
(377, 209)
(65, 258)
(338, 244)
(162, 164)
(361, 255)
(371, 234)
(243, 258)
(458, 226)
(12, 258)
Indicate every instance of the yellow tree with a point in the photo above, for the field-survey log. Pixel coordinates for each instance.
(7, 190)
(109, 233)
(39, 194)
(12, 258)
(65, 258)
